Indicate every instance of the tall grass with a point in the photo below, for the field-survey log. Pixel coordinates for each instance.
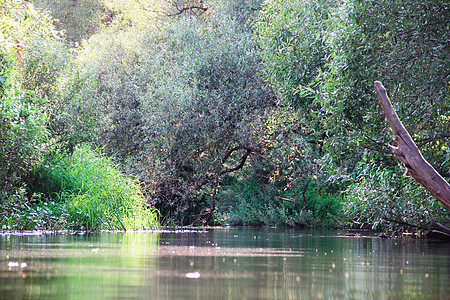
(95, 194)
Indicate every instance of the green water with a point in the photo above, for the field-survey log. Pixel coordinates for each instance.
(222, 264)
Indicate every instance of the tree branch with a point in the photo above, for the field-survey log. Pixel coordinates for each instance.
(408, 153)
(441, 227)
(191, 8)
(211, 209)
(240, 165)
(207, 179)
(425, 141)
(400, 222)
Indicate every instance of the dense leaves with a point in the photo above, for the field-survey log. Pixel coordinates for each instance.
(23, 138)
(23, 117)
(172, 105)
(292, 37)
(345, 46)
(405, 45)
(234, 112)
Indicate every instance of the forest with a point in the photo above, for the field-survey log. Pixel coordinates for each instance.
(131, 114)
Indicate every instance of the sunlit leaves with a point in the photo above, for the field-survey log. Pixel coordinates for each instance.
(78, 20)
(291, 36)
(20, 21)
(399, 43)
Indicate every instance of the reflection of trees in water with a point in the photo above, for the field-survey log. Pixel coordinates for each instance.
(232, 263)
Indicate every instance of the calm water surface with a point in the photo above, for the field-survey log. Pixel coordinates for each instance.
(222, 264)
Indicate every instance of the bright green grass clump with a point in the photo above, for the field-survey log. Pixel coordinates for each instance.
(94, 193)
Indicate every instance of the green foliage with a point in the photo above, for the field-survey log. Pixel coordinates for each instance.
(94, 193)
(244, 202)
(5, 68)
(19, 213)
(185, 93)
(209, 102)
(402, 44)
(167, 101)
(78, 20)
(44, 63)
(291, 36)
(23, 138)
(83, 191)
(20, 22)
(381, 195)
(324, 57)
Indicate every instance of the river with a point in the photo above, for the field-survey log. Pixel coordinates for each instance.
(222, 263)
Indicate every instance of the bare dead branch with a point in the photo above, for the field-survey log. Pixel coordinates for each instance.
(441, 227)
(408, 153)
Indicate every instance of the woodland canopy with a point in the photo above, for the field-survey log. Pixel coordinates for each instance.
(129, 114)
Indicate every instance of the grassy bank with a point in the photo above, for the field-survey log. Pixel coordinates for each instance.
(83, 191)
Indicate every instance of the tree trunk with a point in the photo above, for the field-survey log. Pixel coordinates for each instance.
(408, 153)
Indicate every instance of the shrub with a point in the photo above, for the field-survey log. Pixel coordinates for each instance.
(381, 195)
(19, 212)
(45, 60)
(94, 193)
(245, 203)
(23, 138)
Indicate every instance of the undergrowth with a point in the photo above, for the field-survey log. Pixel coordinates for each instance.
(386, 200)
(246, 203)
(83, 191)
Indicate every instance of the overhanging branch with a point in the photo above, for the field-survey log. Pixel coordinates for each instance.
(408, 153)
(241, 162)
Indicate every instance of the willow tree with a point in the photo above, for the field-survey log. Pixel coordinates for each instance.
(323, 58)
(179, 102)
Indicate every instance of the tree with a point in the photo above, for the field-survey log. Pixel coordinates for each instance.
(291, 35)
(323, 57)
(403, 43)
(23, 115)
(179, 106)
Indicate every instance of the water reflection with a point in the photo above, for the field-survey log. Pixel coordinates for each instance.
(222, 264)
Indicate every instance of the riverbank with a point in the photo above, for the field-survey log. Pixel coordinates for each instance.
(345, 232)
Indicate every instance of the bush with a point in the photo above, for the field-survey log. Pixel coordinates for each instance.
(245, 203)
(93, 192)
(382, 195)
(19, 212)
(23, 138)
(45, 60)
